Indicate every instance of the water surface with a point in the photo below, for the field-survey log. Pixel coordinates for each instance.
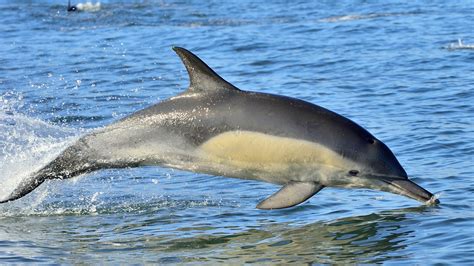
(387, 66)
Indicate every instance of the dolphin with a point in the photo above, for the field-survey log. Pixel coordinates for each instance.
(215, 128)
(71, 8)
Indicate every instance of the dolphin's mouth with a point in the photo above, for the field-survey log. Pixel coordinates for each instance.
(410, 189)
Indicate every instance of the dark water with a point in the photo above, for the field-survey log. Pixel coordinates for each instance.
(388, 66)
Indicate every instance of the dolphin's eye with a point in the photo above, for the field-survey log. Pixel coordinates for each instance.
(371, 141)
(353, 172)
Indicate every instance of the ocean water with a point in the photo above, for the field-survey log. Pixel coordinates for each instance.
(393, 67)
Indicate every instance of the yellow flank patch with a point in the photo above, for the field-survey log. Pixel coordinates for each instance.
(252, 150)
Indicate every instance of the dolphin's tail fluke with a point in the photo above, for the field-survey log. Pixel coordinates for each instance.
(68, 164)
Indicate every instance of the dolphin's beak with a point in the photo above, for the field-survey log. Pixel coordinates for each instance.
(410, 189)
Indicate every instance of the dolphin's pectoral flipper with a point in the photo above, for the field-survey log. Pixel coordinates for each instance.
(290, 195)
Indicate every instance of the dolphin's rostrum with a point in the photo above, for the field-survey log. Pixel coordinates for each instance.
(218, 129)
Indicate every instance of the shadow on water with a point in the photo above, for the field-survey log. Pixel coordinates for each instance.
(164, 235)
(360, 239)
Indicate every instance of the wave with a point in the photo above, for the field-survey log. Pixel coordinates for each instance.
(352, 17)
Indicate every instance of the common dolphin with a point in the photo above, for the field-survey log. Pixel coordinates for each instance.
(215, 128)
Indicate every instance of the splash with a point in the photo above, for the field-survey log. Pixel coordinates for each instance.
(434, 200)
(88, 6)
(26, 145)
(459, 45)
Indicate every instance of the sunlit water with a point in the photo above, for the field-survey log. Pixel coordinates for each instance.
(389, 67)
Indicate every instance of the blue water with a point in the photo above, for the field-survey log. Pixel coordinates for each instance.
(387, 66)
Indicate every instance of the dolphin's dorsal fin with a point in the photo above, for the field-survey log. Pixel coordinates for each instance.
(202, 77)
(290, 195)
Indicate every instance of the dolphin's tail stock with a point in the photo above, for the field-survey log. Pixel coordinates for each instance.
(68, 164)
